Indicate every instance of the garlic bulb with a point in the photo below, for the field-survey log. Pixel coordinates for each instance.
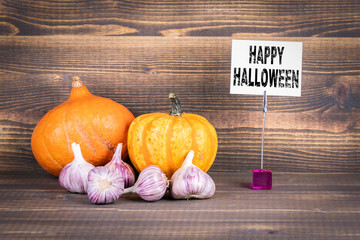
(151, 184)
(189, 181)
(74, 175)
(104, 186)
(120, 167)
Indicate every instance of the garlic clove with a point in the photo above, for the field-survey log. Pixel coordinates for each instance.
(120, 167)
(73, 176)
(104, 186)
(189, 181)
(151, 184)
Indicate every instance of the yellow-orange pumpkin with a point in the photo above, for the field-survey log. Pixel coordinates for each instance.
(164, 140)
(98, 124)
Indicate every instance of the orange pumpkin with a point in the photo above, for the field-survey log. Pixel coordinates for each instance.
(98, 124)
(164, 140)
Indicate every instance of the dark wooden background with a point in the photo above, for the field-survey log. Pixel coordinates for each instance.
(136, 52)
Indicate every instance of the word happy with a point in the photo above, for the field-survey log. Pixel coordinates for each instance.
(264, 77)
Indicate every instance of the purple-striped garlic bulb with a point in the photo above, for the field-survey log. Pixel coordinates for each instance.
(120, 167)
(104, 186)
(151, 184)
(74, 175)
(189, 181)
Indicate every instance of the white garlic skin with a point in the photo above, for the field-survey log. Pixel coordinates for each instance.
(151, 185)
(74, 175)
(120, 167)
(190, 181)
(104, 186)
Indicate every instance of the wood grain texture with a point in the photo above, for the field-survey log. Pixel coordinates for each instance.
(306, 18)
(300, 206)
(115, 66)
(318, 131)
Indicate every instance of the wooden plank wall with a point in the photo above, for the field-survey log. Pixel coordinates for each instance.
(136, 52)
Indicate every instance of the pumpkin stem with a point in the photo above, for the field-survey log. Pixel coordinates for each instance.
(78, 89)
(176, 106)
(76, 82)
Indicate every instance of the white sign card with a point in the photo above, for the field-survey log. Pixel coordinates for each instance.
(271, 66)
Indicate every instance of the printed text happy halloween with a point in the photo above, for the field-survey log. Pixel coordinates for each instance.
(266, 77)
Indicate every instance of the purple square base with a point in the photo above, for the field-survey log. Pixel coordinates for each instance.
(262, 179)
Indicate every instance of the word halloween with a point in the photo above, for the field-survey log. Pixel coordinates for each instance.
(264, 77)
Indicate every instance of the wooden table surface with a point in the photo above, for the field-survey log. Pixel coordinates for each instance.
(300, 206)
